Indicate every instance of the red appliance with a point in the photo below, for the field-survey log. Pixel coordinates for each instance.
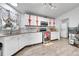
(46, 34)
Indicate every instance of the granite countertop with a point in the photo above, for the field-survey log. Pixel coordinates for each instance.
(13, 34)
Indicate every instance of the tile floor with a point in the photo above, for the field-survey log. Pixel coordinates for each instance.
(54, 48)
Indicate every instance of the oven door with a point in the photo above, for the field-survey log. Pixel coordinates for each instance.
(42, 29)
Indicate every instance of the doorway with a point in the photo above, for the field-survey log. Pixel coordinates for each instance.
(64, 28)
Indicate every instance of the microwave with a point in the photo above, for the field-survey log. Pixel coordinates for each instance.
(43, 23)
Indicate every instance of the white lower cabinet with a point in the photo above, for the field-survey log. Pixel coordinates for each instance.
(14, 43)
(23, 40)
(10, 45)
(35, 38)
(29, 39)
(55, 35)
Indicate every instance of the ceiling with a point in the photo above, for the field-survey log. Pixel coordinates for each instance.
(40, 9)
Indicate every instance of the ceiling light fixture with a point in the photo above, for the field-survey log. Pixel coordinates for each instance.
(50, 5)
(14, 4)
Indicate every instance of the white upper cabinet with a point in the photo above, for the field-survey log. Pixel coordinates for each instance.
(26, 16)
(33, 20)
(51, 22)
(23, 20)
(39, 20)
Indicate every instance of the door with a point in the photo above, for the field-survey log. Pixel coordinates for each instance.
(64, 29)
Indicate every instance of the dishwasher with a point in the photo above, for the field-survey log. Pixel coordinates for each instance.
(1, 49)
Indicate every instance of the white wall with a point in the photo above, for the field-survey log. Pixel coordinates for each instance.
(12, 10)
(73, 16)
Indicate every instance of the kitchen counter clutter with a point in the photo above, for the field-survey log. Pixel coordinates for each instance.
(12, 44)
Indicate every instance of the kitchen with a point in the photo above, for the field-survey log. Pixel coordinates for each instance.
(21, 26)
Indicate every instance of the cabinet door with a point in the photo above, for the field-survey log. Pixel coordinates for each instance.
(29, 38)
(11, 45)
(39, 21)
(26, 19)
(33, 20)
(54, 35)
(22, 41)
(35, 38)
